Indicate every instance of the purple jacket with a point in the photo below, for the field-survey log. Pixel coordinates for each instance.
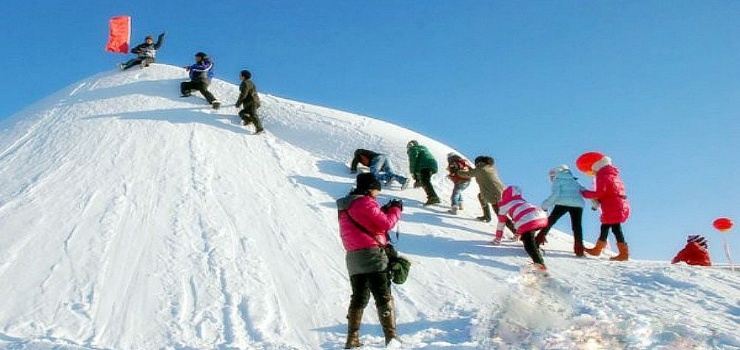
(202, 70)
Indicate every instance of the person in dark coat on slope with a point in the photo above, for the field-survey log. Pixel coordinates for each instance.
(201, 73)
(250, 101)
(146, 52)
(363, 227)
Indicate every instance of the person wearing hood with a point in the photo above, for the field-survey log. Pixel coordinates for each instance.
(696, 252)
(422, 166)
(200, 73)
(565, 198)
(455, 164)
(363, 227)
(528, 219)
(610, 193)
(146, 52)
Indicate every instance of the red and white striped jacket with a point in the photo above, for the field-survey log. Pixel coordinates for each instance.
(526, 216)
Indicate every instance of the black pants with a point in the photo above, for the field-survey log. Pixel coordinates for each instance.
(576, 216)
(426, 183)
(530, 246)
(187, 86)
(375, 283)
(136, 61)
(616, 228)
(249, 115)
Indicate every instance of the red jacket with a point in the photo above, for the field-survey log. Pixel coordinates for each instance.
(693, 254)
(455, 164)
(611, 195)
(366, 211)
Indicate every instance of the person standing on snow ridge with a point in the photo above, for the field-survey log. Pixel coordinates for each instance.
(201, 73)
(250, 100)
(615, 209)
(146, 52)
(380, 165)
(567, 198)
(527, 220)
(490, 186)
(363, 226)
(695, 252)
(422, 166)
(455, 164)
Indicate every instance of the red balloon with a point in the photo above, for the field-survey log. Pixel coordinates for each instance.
(587, 160)
(723, 224)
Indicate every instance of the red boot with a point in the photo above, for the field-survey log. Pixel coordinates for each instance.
(624, 253)
(596, 250)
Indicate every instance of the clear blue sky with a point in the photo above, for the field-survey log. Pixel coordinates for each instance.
(653, 84)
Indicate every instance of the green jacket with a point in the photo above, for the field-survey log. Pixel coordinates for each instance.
(420, 158)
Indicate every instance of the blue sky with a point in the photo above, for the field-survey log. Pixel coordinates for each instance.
(653, 84)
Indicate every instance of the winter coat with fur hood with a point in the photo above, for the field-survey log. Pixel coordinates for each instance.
(565, 191)
(610, 193)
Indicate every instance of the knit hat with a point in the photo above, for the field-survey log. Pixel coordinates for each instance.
(412, 143)
(698, 239)
(366, 182)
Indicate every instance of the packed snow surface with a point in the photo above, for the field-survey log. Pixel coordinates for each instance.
(131, 218)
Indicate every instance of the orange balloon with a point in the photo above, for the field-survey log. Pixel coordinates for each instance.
(723, 224)
(587, 160)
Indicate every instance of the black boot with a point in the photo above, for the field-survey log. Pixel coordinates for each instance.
(354, 316)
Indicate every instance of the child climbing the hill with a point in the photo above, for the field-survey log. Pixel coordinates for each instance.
(455, 164)
(695, 252)
(528, 219)
(615, 209)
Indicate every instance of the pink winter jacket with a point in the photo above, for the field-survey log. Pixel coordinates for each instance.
(611, 195)
(366, 211)
(526, 216)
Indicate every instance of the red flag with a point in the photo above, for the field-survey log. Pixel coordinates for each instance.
(120, 34)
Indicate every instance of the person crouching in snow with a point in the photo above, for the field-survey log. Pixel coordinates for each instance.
(615, 209)
(567, 199)
(456, 163)
(695, 252)
(528, 219)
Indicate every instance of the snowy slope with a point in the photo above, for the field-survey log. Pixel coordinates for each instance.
(131, 218)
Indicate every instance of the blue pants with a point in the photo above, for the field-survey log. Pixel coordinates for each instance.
(382, 168)
(457, 191)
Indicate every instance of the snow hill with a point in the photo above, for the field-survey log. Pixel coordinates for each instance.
(131, 218)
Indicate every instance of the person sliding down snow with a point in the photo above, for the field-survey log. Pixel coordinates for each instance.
(695, 252)
(380, 165)
(528, 219)
(201, 73)
(146, 52)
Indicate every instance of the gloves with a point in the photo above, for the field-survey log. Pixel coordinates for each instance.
(392, 203)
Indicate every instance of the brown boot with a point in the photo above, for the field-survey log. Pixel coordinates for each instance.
(354, 316)
(387, 317)
(624, 252)
(578, 249)
(596, 250)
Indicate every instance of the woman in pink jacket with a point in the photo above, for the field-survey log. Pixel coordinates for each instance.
(364, 226)
(615, 209)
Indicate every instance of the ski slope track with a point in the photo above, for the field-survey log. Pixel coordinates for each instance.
(131, 218)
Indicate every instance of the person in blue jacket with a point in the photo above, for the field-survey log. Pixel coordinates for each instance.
(201, 73)
(566, 198)
(146, 52)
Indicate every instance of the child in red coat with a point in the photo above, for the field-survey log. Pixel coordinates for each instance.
(695, 252)
(615, 209)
